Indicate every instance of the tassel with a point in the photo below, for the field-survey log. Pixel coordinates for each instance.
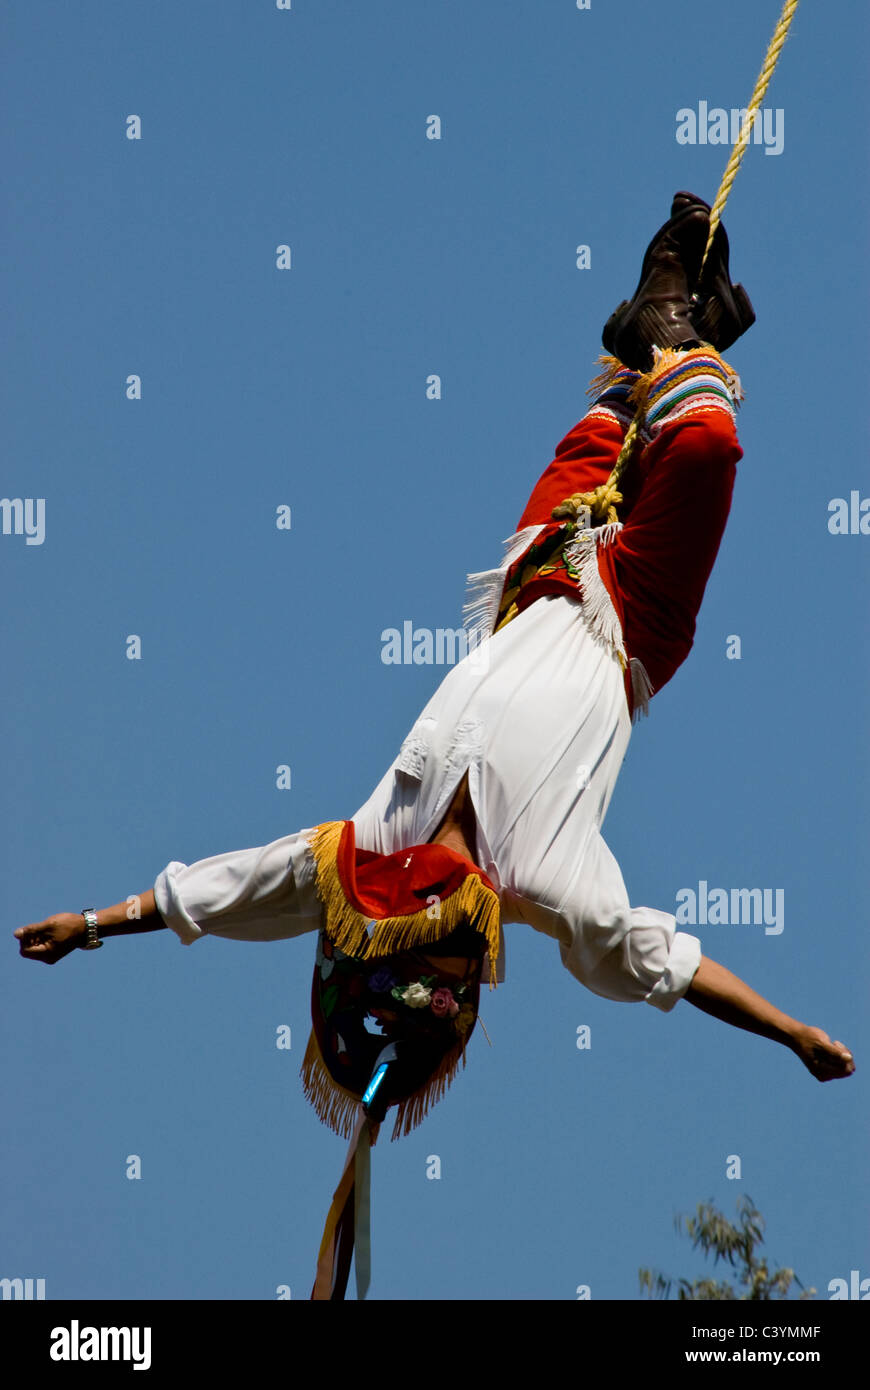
(481, 604)
(613, 373)
(484, 591)
(641, 690)
(598, 609)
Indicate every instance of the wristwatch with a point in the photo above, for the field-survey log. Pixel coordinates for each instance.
(92, 940)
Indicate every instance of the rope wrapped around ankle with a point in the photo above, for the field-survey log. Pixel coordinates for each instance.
(603, 501)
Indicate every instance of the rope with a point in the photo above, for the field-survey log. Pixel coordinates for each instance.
(780, 34)
(602, 501)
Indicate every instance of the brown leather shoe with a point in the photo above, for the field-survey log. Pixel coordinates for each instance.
(659, 312)
(721, 312)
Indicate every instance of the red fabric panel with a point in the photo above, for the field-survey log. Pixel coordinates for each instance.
(677, 496)
(387, 885)
(583, 460)
(661, 560)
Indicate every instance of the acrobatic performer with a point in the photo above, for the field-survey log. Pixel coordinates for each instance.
(500, 789)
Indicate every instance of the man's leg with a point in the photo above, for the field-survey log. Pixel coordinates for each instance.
(677, 490)
(683, 479)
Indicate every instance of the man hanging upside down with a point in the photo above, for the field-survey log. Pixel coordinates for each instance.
(505, 778)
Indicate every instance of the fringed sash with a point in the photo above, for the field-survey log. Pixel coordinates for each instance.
(357, 934)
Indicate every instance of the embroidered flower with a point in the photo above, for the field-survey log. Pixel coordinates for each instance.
(382, 981)
(416, 996)
(443, 1004)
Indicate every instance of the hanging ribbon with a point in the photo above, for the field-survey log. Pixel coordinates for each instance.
(362, 1189)
(348, 1231)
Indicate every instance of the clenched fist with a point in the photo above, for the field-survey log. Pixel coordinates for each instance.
(51, 940)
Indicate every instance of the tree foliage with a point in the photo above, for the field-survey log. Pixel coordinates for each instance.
(735, 1245)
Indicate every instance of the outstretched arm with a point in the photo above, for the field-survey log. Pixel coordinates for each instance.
(268, 893)
(717, 991)
(51, 940)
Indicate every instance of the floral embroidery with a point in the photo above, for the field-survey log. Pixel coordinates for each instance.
(416, 996)
(385, 997)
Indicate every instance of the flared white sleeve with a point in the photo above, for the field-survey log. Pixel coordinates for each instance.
(263, 894)
(653, 962)
(624, 953)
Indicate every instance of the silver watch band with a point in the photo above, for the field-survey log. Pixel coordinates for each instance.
(92, 939)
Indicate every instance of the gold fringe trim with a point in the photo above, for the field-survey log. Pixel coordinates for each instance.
(336, 1107)
(607, 377)
(472, 902)
(413, 1111)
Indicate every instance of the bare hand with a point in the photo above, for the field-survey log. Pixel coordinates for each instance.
(51, 940)
(826, 1060)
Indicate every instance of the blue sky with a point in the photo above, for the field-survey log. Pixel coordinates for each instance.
(262, 647)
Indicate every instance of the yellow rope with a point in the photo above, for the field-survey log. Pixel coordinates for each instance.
(602, 501)
(780, 34)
